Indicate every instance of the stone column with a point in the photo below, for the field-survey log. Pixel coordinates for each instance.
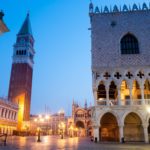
(4, 113)
(121, 133)
(96, 133)
(95, 96)
(131, 100)
(107, 95)
(145, 127)
(142, 94)
(119, 97)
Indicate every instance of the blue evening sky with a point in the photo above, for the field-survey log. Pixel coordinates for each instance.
(62, 69)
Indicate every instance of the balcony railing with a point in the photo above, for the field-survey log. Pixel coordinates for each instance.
(104, 102)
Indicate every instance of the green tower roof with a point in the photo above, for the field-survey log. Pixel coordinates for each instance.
(26, 27)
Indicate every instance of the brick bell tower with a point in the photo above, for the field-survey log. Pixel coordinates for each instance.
(21, 73)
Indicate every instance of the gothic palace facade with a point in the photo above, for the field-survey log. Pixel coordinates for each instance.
(121, 72)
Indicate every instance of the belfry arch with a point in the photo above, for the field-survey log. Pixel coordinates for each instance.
(109, 130)
(133, 129)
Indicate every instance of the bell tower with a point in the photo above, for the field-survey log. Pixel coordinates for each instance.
(21, 73)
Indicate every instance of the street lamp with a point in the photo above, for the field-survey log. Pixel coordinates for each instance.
(47, 121)
(71, 131)
(38, 140)
(62, 128)
(38, 120)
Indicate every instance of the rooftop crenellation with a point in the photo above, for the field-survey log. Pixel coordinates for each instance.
(115, 8)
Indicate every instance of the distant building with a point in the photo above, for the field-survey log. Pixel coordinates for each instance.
(121, 72)
(48, 124)
(21, 73)
(82, 119)
(8, 116)
(3, 27)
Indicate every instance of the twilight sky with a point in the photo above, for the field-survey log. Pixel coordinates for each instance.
(62, 69)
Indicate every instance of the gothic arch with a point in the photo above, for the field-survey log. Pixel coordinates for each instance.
(128, 112)
(109, 129)
(99, 82)
(113, 92)
(146, 89)
(136, 90)
(80, 124)
(133, 128)
(147, 118)
(101, 91)
(129, 44)
(124, 91)
(113, 113)
(79, 109)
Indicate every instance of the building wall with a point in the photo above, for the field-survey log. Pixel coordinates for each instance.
(113, 118)
(106, 39)
(8, 116)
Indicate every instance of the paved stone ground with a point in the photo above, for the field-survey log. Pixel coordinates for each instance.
(55, 143)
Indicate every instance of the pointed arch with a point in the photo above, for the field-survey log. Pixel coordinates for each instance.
(136, 91)
(133, 129)
(124, 92)
(147, 89)
(109, 130)
(101, 92)
(113, 92)
(129, 44)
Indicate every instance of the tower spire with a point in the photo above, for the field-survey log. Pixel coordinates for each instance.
(26, 26)
(85, 105)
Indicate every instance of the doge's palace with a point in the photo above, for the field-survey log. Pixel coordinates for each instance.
(120, 49)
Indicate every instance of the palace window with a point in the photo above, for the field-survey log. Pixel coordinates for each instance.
(129, 44)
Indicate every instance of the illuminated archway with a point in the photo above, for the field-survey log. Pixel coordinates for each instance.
(81, 128)
(147, 90)
(136, 91)
(133, 129)
(109, 130)
(125, 92)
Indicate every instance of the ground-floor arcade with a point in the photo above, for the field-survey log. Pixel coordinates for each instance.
(118, 125)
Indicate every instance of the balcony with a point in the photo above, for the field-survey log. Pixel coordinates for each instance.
(127, 102)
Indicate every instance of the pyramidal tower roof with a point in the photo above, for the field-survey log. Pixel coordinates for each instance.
(26, 27)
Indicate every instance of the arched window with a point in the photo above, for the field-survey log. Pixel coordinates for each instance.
(129, 44)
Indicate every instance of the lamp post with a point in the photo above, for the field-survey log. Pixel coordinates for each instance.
(47, 121)
(38, 120)
(39, 140)
(71, 131)
(62, 129)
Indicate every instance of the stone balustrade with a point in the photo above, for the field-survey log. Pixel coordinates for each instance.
(126, 102)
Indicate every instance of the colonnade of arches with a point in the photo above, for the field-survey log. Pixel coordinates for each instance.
(132, 129)
(124, 91)
(7, 129)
